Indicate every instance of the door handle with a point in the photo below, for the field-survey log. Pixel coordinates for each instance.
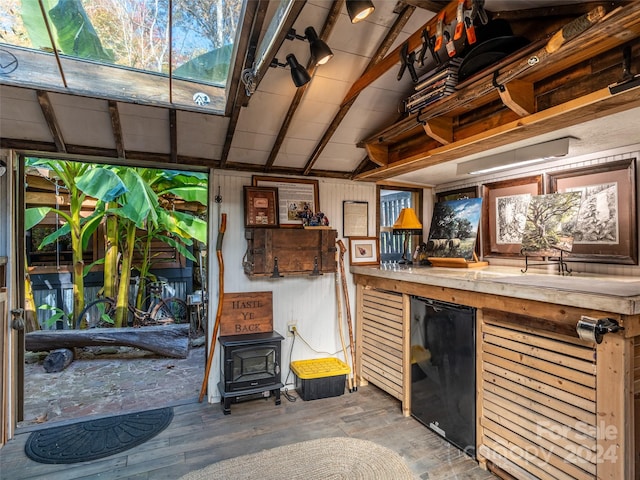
(17, 319)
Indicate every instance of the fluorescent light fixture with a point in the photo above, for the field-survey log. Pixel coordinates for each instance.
(516, 158)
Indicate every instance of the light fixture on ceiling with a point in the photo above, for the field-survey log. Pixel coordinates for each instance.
(299, 74)
(358, 10)
(407, 224)
(519, 157)
(320, 51)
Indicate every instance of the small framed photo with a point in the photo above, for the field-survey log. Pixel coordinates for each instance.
(260, 207)
(364, 251)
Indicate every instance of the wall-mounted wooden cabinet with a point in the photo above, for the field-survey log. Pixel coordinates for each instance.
(289, 251)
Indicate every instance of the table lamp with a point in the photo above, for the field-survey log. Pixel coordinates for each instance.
(407, 224)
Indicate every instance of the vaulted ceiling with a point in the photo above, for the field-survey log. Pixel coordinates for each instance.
(338, 124)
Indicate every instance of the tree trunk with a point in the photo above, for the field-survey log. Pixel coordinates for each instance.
(166, 340)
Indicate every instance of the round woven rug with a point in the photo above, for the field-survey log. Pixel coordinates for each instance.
(97, 438)
(323, 459)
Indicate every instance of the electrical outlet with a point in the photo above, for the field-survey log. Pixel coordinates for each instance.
(291, 326)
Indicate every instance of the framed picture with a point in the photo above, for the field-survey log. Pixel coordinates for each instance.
(364, 251)
(469, 192)
(606, 226)
(294, 197)
(355, 219)
(505, 206)
(260, 207)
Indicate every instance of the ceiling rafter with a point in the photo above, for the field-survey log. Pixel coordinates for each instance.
(257, 11)
(173, 135)
(327, 28)
(383, 48)
(430, 5)
(52, 121)
(116, 128)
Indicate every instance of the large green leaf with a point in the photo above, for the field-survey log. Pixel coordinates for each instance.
(193, 193)
(179, 246)
(75, 33)
(101, 183)
(140, 203)
(33, 216)
(34, 24)
(210, 67)
(185, 225)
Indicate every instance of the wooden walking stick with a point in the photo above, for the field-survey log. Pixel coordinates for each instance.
(214, 337)
(345, 291)
(341, 331)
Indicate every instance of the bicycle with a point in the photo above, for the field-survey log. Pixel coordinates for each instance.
(101, 312)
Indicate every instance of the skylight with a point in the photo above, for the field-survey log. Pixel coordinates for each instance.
(175, 53)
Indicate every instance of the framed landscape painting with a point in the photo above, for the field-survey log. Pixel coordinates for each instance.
(505, 205)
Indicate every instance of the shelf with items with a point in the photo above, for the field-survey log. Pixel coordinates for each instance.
(549, 84)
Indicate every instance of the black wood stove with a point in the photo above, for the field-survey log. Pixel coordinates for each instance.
(249, 365)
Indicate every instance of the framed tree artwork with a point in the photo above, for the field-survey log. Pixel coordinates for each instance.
(505, 205)
(606, 226)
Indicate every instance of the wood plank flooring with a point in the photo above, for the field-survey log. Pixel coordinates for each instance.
(200, 434)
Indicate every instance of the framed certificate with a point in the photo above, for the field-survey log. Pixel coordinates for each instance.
(260, 207)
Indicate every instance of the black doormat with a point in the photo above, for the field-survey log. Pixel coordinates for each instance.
(99, 438)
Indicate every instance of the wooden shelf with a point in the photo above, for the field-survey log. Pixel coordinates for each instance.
(545, 86)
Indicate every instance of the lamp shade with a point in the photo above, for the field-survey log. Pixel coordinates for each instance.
(320, 51)
(407, 222)
(359, 9)
(299, 74)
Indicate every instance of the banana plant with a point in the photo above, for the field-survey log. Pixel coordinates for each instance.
(82, 180)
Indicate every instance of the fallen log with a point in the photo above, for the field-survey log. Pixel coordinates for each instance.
(58, 360)
(166, 340)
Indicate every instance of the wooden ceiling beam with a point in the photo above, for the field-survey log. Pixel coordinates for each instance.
(52, 121)
(391, 60)
(327, 28)
(381, 51)
(173, 135)
(116, 128)
(257, 12)
(431, 5)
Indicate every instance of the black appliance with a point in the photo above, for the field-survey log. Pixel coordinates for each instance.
(443, 382)
(249, 365)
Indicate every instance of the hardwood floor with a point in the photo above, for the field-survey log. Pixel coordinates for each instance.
(200, 434)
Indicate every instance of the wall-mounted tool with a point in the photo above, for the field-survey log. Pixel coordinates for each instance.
(439, 31)
(592, 329)
(427, 44)
(407, 59)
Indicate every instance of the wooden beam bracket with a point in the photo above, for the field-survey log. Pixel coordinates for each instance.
(378, 153)
(440, 129)
(517, 95)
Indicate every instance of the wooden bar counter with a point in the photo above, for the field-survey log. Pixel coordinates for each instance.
(549, 404)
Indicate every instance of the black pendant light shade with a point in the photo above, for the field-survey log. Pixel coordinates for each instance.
(320, 51)
(359, 9)
(299, 74)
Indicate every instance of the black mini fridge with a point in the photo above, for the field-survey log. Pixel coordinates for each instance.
(443, 370)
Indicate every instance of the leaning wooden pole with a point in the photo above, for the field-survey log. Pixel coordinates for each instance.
(345, 291)
(216, 326)
(341, 330)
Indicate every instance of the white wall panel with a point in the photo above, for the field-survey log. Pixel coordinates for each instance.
(310, 302)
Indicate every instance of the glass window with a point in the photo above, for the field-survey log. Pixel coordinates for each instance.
(125, 49)
(391, 202)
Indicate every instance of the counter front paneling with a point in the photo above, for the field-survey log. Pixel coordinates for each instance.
(548, 403)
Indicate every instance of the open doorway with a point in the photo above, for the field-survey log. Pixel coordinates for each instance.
(116, 247)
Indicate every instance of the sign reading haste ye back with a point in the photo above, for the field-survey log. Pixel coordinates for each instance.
(245, 313)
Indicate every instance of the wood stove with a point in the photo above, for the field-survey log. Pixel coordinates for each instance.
(249, 365)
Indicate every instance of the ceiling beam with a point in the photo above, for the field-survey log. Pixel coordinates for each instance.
(173, 135)
(383, 48)
(431, 5)
(390, 61)
(256, 11)
(52, 121)
(116, 128)
(327, 28)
